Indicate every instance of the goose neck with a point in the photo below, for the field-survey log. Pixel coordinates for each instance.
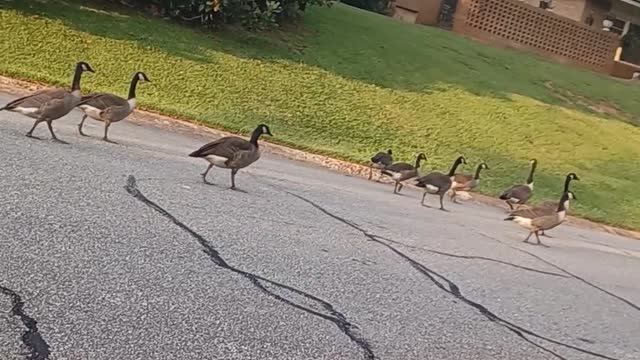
(478, 169)
(567, 181)
(133, 86)
(533, 170)
(255, 135)
(75, 83)
(456, 163)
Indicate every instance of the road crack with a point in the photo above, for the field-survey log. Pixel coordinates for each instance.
(340, 320)
(31, 338)
(570, 274)
(451, 288)
(473, 257)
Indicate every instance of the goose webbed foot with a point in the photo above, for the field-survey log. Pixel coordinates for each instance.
(55, 139)
(33, 137)
(109, 141)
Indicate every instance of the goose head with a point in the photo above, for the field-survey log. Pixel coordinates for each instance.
(142, 77)
(83, 66)
(263, 129)
(572, 176)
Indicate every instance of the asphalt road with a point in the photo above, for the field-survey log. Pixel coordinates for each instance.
(121, 252)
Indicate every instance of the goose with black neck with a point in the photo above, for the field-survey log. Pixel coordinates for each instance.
(464, 182)
(50, 104)
(545, 222)
(231, 152)
(110, 108)
(401, 171)
(520, 194)
(437, 183)
(547, 207)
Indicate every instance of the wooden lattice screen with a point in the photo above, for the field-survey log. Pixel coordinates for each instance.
(517, 24)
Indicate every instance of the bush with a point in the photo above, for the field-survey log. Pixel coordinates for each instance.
(252, 14)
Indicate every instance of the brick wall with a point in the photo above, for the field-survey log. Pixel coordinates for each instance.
(515, 24)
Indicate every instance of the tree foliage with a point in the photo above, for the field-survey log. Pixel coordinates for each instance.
(252, 14)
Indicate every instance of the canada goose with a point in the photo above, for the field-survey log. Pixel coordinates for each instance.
(547, 207)
(437, 183)
(402, 171)
(380, 161)
(519, 194)
(463, 182)
(50, 104)
(545, 222)
(110, 108)
(231, 152)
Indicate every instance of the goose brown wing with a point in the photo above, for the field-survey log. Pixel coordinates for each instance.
(546, 222)
(37, 99)
(397, 167)
(227, 147)
(436, 179)
(548, 204)
(103, 100)
(521, 192)
(532, 213)
(462, 179)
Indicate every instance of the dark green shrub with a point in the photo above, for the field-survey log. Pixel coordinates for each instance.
(379, 6)
(252, 14)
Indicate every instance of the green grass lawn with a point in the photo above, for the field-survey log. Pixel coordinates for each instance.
(349, 83)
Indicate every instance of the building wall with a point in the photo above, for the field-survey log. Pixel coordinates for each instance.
(405, 15)
(429, 12)
(515, 24)
(572, 9)
(598, 9)
(418, 11)
(411, 5)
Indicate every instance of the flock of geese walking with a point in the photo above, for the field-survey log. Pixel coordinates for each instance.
(235, 153)
(47, 105)
(536, 219)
